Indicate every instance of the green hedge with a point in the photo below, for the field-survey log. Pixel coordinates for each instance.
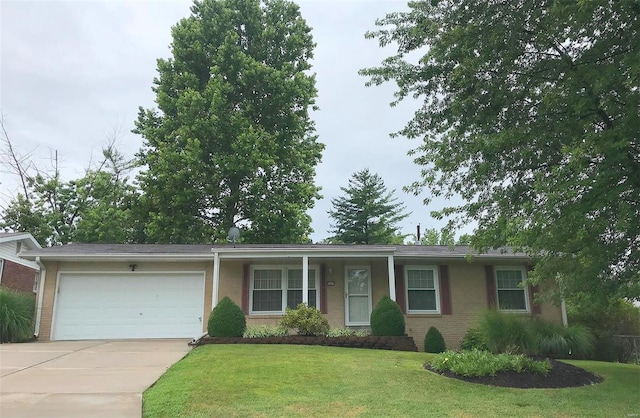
(387, 319)
(226, 320)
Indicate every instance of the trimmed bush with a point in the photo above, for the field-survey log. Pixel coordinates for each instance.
(306, 320)
(226, 320)
(265, 331)
(473, 340)
(16, 316)
(387, 319)
(433, 341)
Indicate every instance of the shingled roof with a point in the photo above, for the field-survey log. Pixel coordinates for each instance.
(206, 251)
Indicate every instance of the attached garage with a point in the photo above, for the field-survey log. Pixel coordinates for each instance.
(126, 305)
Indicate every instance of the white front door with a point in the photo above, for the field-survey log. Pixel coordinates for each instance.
(357, 295)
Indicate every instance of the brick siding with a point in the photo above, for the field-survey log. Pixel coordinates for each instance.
(18, 277)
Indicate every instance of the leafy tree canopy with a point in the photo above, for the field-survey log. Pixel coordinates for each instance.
(367, 213)
(98, 207)
(446, 236)
(231, 141)
(531, 113)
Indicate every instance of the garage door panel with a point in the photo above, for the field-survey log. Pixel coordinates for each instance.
(137, 305)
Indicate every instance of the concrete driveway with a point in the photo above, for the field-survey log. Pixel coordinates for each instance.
(82, 378)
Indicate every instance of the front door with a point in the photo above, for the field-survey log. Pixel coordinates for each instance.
(357, 295)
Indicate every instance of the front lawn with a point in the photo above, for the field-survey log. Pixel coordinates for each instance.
(314, 381)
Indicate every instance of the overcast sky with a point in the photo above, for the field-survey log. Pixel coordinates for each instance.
(72, 72)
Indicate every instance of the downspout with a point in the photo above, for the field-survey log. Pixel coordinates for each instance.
(216, 279)
(43, 275)
(392, 278)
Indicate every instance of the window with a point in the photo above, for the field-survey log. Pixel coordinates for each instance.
(512, 295)
(275, 287)
(422, 289)
(294, 288)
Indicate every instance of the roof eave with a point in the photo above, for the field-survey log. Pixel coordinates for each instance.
(316, 252)
(24, 237)
(117, 257)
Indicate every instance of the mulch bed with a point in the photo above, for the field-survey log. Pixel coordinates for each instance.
(404, 343)
(561, 375)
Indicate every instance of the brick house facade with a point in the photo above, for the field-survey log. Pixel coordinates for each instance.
(15, 272)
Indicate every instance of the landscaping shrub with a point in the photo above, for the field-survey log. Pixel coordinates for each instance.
(504, 333)
(347, 332)
(306, 320)
(433, 341)
(387, 319)
(265, 331)
(226, 320)
(554, 340)
(474, 340)
(477, 363)
(16, 316)
(606, 319)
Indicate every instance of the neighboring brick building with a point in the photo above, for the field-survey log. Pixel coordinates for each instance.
(15, 272)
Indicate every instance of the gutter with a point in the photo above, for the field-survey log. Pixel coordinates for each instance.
(41, 283)
(120, 257)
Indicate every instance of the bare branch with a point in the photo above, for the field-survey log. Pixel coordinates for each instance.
(18, 165)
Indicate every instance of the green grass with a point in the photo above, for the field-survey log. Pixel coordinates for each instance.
(314, 381)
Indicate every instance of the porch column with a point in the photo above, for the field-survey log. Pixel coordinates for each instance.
(392, 278)
(305, 279)
(216, 279)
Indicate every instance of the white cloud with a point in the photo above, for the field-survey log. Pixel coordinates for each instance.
(71, 71)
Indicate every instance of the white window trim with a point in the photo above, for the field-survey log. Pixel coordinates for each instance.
(525, 288)
(284, 268)
(436, 284)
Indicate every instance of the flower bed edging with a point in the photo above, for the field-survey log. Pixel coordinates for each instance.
(404, 343)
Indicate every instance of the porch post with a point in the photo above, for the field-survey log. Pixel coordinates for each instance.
(392, 278)
(305, 279)
(216, 279)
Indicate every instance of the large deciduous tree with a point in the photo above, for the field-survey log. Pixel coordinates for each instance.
(231, 141)
(367, 213)
(531, 113)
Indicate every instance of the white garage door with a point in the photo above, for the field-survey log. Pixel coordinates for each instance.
(133, 305)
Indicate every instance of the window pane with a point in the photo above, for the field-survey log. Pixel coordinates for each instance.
(420, 279)
(294, 298)
(509, 279)
(511, 299)
(358, 309)
(267, 279)
(267, 300)
(295, 279)
(312, 298)
(422, 300)
(358, 282)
